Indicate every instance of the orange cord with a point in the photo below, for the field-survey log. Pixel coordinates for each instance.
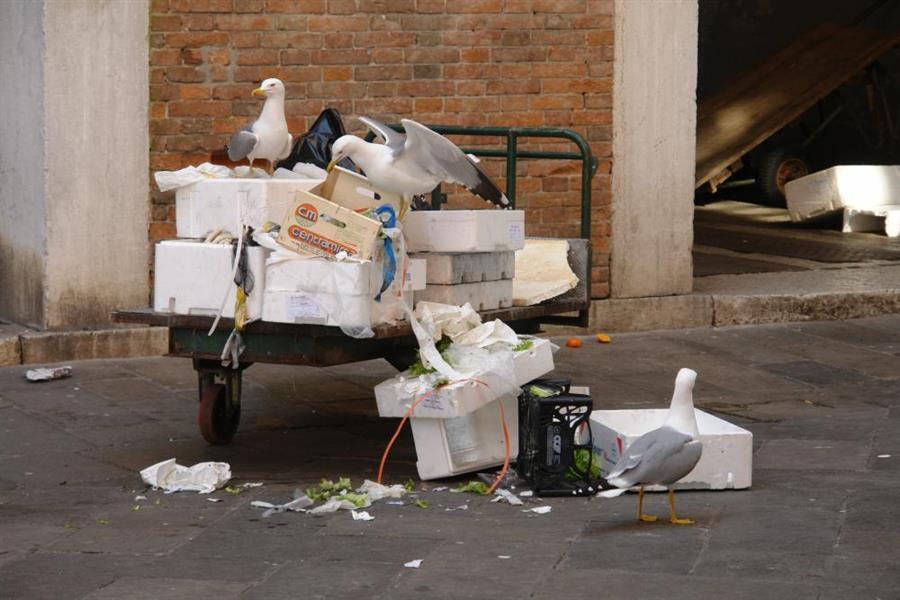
(430, 393)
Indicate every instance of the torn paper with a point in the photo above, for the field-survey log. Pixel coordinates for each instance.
(507, 496)
(414, 564)
(361, 515)
(203, 477)
(48, 374)
(540, 510)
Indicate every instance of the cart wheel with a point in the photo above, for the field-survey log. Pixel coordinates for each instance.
(218, 421)
(776, 168)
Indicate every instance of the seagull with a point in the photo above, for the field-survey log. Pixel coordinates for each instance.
(415, 163)
(267, 137)
(664, 455)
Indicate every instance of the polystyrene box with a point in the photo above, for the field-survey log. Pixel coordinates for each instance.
(726, 462)
(394, 396)
(851, 186)
(230, 203)
(445, 268)
(416, 275)
(447, 447)
(464, 230)
(193, 278)
(484, 295)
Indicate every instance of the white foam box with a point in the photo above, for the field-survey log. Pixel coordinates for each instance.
(484, 295)
(229, 203)
(464, 230)
(319, 291)
(192, 278)
(394, 396)
(726, 462)
(451, 268)
(852, 186)
(447, 447)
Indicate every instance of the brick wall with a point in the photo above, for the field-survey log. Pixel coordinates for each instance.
(535, 63)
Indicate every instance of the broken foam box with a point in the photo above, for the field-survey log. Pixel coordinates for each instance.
(453, 268)
(193, 278)
(726, 462)
(844, 186)
(484, 295)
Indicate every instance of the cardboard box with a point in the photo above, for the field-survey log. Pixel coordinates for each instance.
(464, 230)
(726, 462)
(230, 203)
(394, 396)
(320, 227)
(354, 191)
(448, 447)
(850, 186)
(192, 278)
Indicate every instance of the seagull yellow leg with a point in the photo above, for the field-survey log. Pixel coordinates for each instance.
(641, 515)
(673, 518)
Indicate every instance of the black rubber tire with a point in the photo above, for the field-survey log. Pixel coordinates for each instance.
(777, 167)
(217, 421)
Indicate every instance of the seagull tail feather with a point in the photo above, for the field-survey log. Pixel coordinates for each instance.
(612, 493)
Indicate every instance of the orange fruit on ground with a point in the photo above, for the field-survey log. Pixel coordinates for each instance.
(603, 338)
(573, 343)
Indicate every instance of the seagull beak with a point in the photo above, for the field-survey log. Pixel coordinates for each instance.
(331, 165)
(258, 92)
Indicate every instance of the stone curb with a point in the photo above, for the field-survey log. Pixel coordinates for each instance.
(33, 347)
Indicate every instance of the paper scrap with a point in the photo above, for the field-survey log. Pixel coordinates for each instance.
(48, 374)
(414, 564)
(540, 510)
(376, 491)
(526, 494)
(884, 456)
(504, 556)
(501, 494)
(298, 504)
(213, 499)
(361, 515)
(205, 477)
(138, 498)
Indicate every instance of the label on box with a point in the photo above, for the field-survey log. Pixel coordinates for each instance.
(516, 234)
(301, 306)
(320, 227)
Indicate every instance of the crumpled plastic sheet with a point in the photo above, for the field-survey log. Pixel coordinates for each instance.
(507, 496)
(299, 504)
(487, 334)
(440, 319)
(334, 505)
(171, 180)
(377, 491)
(205, 477)
(48, 374)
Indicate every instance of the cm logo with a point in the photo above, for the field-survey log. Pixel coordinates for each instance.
(306, 215)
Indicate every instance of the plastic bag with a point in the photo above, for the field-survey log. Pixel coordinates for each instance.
(315, 146)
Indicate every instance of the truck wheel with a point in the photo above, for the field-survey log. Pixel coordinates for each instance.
(776, 168)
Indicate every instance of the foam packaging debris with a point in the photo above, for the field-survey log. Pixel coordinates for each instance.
(542, 272)
(483, 295)
(851, 186)
(205, 477)
(453, 268)
(48, 373)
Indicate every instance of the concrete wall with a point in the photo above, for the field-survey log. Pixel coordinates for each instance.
(97, 156)
(21, 161)
(654, 135)
(73, 211)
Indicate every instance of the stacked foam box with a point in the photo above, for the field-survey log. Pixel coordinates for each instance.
(457, 429)
(470, 254)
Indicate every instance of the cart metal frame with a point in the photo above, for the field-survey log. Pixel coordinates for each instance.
(219, 387)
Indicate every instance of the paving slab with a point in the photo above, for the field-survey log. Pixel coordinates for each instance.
(821, 521)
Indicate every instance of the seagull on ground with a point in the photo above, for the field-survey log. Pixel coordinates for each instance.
(664, 455)
(267, 137)
(415, 163)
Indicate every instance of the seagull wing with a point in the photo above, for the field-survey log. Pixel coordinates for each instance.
(242, 143)
(648, 457)
(392, 139)
(442, 158)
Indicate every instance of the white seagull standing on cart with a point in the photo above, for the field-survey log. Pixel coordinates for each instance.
(664, 455)
(415, 163)
(267, 137)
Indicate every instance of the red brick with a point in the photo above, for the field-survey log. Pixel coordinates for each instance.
(192, 56)
(372, 39)
(249, 6)
(330, 23)
(200, 5)
(337, 73)
(257, 57)
(165, 23)
(380, 73)
(559, 6)
(196, 39)
(381, 89)
(218, 56)
(262, 22)
(475, 6)
(194, 92)
(513, 86)
(165, 57)
(340, 57)
(294, 57)
(431, 6)
(429, 105)
(185, 75)
(199, 108)
(161, 231)
(387, 56)
(341, 7)
(386, 6)
(242, 39)
(532, 54)
(471, 88)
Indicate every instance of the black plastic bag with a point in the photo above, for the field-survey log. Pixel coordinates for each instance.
(315, 145)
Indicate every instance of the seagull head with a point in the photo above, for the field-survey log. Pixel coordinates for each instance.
(344, 146)
(270, 87)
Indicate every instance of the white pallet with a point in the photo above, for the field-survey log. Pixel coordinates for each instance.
(394, 396)
(726, 462)
(464, 230)
(192, 278)
(452, 269)
(485, 295)
(230, 203)
(447, 447)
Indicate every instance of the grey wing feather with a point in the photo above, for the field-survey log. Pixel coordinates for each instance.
(442, 158)
(242, 143)
(392, 139)
(650, 458)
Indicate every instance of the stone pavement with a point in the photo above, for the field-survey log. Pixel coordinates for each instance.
(822, 520)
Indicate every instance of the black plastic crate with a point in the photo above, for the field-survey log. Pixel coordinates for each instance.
(549, 419)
